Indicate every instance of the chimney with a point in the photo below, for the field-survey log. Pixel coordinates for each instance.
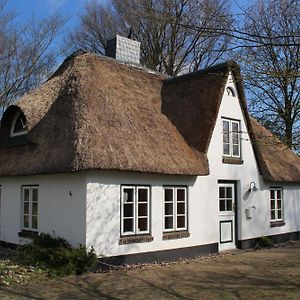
(124, 49)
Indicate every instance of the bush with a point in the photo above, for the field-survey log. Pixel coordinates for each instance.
(56, 255)
(264, 242)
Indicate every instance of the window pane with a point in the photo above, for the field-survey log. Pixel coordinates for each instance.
(34, 222)
(272, 204)
(128, 210)
(143, 209)
(128, 225)
(180, 195)
(279, 214)
(34, 195)
(226, 149)
(20, 124)
(222, 205)
(168, 195)
(26, 221)
(235, 138)
(143, 224)
(26, 194)
(181, 222)
(26, 208)
(272, 214)
(235, 127)
(221, 192)
(278, 204)
(180, 208)
(229, 192)
(225, 126)
(168, 208)
(226, 137)
(142, 195)
(272, 194)
(278, 194)
(34, 208)
(235, 150)
(229, 205)
(168, 222)
(128, 195)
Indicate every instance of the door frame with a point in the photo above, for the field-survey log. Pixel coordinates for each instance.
(235, 189)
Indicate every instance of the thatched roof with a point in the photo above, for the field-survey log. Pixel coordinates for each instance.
(192, 104)
(97, 113)
(277, 162)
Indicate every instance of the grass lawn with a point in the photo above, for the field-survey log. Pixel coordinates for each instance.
(265, 274)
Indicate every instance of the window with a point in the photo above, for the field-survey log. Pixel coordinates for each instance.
(231, 138)
(175, 208)
(18, 126)
(230, 92)
(30, 197)
(135, 210)
(276, 199)
(226, 198)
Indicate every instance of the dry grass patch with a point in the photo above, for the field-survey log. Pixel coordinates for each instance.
(265, 274)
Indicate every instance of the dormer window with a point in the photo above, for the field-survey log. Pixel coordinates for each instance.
(18, 126)
(230, 92)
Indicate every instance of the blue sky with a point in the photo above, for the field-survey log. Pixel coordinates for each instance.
(41, 8)
(70, 8)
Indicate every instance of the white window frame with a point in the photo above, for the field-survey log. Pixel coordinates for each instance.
(30, 215)
(135, 217)
(276, 209)
(232, 199)
(174, 213)
(230, 91)
(13, 124)
(231, 122)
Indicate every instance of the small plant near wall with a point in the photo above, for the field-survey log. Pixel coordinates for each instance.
(264, 242)
(56, 255)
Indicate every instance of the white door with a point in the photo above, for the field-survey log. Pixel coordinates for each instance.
(226, 216)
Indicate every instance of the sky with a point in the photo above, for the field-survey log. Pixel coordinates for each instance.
(70, 8)
(25, 9)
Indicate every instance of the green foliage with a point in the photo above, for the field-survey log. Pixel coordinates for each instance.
(56, 255)
(264, 242)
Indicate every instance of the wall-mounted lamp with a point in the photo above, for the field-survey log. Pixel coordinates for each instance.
(70, 193)
(252, 187)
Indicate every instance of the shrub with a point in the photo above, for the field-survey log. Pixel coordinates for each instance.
(56, 255)
(264, 242)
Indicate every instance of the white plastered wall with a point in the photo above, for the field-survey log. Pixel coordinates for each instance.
(103, 212)
(61, 206)
(259, 224)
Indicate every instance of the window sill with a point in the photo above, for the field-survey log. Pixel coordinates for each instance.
(124, 240)
(277, 223)
(232, 161)
(175, 235)
(28, 234)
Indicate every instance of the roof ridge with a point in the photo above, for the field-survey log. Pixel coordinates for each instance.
(218, 68)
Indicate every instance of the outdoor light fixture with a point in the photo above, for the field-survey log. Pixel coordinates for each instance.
(252, 187)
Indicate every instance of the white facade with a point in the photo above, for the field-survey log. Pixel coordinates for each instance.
(85, 207)
(61, 206)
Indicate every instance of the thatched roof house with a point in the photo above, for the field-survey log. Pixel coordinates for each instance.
(141, 166)
(97, 113)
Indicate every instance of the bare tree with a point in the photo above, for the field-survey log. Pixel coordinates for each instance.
(27, 52)
(272, 70)
(167, 45)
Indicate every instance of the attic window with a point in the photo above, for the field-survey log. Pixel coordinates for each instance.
(18, 126)
(230, 92)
